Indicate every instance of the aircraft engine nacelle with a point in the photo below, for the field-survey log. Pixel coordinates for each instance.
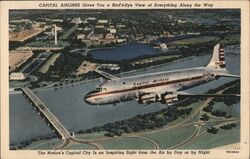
(147, 98)
(168, 99)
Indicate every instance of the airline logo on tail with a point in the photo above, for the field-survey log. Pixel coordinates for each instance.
(218, 58)
(221, 56)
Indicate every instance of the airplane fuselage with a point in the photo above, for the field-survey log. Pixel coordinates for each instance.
(161, 86)
(129, 88)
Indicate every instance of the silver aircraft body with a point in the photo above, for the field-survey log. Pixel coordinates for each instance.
(161, 87)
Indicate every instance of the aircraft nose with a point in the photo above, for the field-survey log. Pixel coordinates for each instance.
(87, 100)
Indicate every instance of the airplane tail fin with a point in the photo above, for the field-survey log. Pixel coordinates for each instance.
(217, 62)
(218, 58)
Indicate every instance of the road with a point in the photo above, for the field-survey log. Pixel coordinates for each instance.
(184, 123)
(57, 125)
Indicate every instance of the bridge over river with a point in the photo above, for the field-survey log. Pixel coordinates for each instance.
(51, 119)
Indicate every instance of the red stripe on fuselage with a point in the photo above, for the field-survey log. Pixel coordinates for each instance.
(145, 86)
(222, 58)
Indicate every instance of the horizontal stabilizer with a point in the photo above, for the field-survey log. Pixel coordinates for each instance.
(181, 96)
(106, 75)
(228, 75)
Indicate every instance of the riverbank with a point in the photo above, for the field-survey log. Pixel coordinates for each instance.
(98, 48)
(90, 80)
(51, 86)
(68, 105)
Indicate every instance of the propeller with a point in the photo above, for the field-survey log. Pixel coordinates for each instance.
(101, 79)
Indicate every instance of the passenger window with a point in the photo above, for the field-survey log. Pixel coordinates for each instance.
(98, 89)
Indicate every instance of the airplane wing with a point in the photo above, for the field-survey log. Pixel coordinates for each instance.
(172, 97)
(106, 75)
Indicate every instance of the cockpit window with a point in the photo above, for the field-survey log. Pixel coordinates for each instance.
(100, 89)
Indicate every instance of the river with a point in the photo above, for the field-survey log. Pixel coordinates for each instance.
(68, 105)
(126, 51)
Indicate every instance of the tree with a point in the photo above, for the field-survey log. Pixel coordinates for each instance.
(109, 134)
(228, 126)
(212, 130)
(219, 113)
(204, 117)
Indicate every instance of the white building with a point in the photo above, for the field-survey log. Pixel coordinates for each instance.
(109, 36)
(192, 33)
(121, 40)
(102, 21)
(120, 26)
(181, 21)
(20, 21)
(81, 36)
(38, 24)
(91, 18)
(110, 66)
(12, 28)
(87, 28)
(95, 37)
(85, 22)
(18, 76)
(100, 26)
(55, 20)
(163, 46)
(76, 21)
(112, 31)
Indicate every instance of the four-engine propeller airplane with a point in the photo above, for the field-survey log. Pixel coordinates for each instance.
(161, 87)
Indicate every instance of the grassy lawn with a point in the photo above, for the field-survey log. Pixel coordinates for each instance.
(231, 39)
(234, 111)
(194, 107)
(196, 40)
(91, 136)
(194, 118)
(127, 143)
(168, 138)
(214, 118)
(69, 32)
(206, 126)
(80, 146)
(223, 137)
(44, 144)
(220, 106)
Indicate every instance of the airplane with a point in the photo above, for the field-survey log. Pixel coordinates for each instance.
(164, 87)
